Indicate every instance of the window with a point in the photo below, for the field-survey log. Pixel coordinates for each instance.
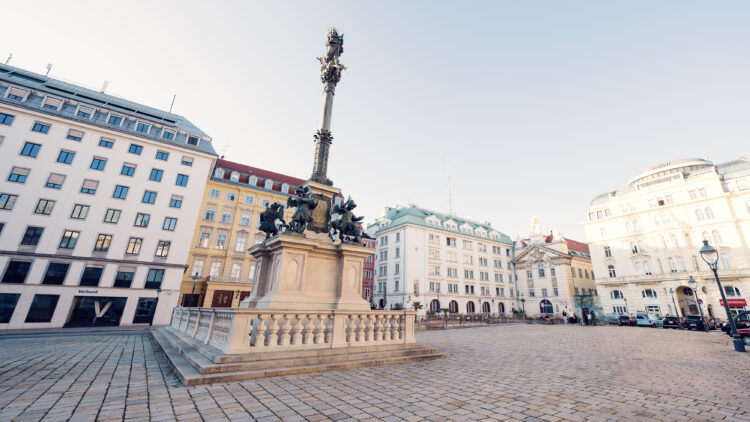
(544, 292)
(141, 220)
(84, 112)
(616, 294)
(56, 272)
(540, 269)
(226, 217)
(32, 235)
(717, 236)
(221, 241)
(204, 239)
(69, 239)
(91, 276)
(531, 293)
(699, 214)
(607, 251)
(176, 201)
(452, 272)
(128, 169)
(135, 149)
(7, 201)
(142, 127)
(42, 308)
(75, 135)
(215, 269)
(187, 161)
(106, 142)
(162, 248)
(648, 293)
(6, 119)
(214, 193)
(731, 291)
(18, 175)
(121, 192)
(30, 149)
(16, 272)
(134, 246)
(450, 241)
(44, 207)
(66, 157)
(102, 243)
(469, 274)
(552, 272)
(709, 213)
(124, 277)
(265, 203)
(483, 262)
(169, 223)
(89, 186)
(112, 216)
(55, 181)
(80, 212)
(249, 199)
(210, 214)
(40, 127)
(192, 140)
(611, 269)
(156, 175)
(149, 197)
(241, 243)
(498, 277)
(16, 94)
(529, 274)
(114, 120)
(182, 180)
(484, 275)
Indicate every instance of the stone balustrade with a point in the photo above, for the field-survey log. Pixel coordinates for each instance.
(242, 330)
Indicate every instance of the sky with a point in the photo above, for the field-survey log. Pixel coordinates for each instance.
(532, 107)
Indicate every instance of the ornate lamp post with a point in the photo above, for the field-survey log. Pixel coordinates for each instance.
(523, 303)
(195, 278)
(694, 287)
(671, 292)
(711, 256)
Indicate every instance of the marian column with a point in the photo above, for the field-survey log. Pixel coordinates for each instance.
(330, 74)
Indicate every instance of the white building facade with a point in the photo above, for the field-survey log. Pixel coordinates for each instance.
(98, 202)
(645, 238)
(442, 262)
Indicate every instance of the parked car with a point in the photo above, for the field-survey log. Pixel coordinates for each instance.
(695, 322)
(742, 320)
(744, 334)
(613, 318)
(626, 320)
(671, 322)
(644, 319)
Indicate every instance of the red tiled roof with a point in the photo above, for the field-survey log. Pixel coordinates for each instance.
(261, 174)
(572, 244)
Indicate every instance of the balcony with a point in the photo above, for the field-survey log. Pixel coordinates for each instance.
(228, 279)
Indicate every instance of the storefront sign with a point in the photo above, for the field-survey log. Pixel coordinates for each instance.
(86, 291)
(734, 302)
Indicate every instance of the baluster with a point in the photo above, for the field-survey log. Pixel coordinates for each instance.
(329, 328)
(379, 328)
(298, 327)
(308, 337)
(273, 330)
(360, 322)
(386, 327)
(319, 327)
(401, 326)
(394, 327)
(370, 332)
(260, 331)
(285, 328)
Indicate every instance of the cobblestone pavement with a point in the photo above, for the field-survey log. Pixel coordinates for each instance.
(516, 372)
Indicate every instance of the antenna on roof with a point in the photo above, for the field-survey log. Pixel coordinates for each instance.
(49, 67)
(450, 196)
(104, 86)
(224, 151)
(172, 105)
(8, 59)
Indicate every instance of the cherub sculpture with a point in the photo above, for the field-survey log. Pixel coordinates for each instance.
(303, 214)
(346, 227)
(268, 219)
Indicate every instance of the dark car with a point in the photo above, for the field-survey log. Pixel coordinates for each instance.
(695, 322)
(672, 322)
(744, 334)
(742, 320)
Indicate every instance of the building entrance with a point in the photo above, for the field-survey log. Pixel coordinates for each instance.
(96, 311)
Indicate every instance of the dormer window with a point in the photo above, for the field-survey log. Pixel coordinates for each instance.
(168, 135)
(84, 112)
(114, 120)
(192, 140)
(142, 127)
(51, 103)
(284, 187)
(235, 177)
(269, 184)
(253, 181)
(17, 94)
(219, 173)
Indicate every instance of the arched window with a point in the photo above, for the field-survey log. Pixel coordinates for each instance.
(647, 267)
(709, 213)
(699, 214)
(269, 184)
(661, 267)
(616, 294)
(717, 236)
(611, 269)
(501, 308)
(453, 307)
(545, 307)
(469, 307)
(219, 173)
(252, 181)
(731, 291)
(486, 307)
(434, 305)
(607, 251)
(648, 293)
(234, 176)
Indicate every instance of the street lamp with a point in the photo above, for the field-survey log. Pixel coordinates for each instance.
(694, 286)
(671, 292)
(523, 303)
(711, 256)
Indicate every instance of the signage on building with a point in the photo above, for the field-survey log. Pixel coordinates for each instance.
(734, 302)
(87, 291)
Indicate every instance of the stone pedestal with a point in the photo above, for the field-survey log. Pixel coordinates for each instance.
(294, 272)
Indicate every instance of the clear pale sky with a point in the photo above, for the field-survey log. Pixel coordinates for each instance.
(536, 106)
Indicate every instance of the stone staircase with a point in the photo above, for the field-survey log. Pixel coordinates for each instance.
(196, 363)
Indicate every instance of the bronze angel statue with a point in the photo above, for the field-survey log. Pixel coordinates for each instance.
(303, 214)
(268, 219)
(346, 227)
